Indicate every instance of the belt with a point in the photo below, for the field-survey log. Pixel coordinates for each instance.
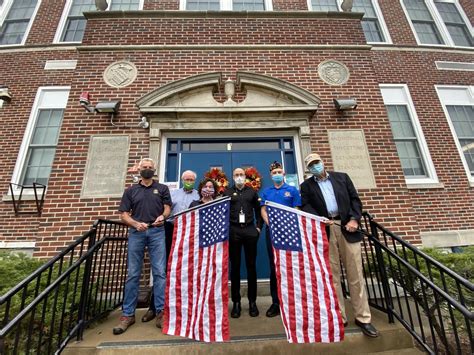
(338, 217)
(241, 225)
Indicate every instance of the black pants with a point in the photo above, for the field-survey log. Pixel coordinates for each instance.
(246, 237)
(273, 280)
(169, 227)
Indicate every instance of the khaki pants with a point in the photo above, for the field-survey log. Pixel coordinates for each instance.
(351, 256)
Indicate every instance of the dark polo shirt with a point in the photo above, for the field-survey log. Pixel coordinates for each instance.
(145, 203)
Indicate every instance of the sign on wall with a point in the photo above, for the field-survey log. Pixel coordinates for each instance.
(350, 155)
(106, 166)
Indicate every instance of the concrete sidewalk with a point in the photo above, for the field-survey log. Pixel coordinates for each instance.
(259, 335)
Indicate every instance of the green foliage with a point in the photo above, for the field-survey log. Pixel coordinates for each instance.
(14, 268)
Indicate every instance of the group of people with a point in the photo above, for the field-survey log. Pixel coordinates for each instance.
(146, 207)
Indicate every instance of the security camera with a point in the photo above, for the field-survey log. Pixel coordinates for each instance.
(143, 123)
(5, 94)
(345, 104)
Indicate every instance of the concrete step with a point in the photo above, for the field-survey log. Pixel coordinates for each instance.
(260, 335)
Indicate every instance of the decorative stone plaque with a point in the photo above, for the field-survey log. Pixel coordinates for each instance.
(106, 167)
(120, 74)
(333, 72)
(350, 155)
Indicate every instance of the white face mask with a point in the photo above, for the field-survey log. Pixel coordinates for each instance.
(239, 180)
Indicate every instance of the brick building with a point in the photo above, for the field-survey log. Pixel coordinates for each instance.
(236, 83)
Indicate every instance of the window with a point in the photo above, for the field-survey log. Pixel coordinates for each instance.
(41, 136)
(17, 20)
(458, 103)
(235, 5)
(408, 136)
(373, 26)
(454, 24)
(73, 23)
(439, 22)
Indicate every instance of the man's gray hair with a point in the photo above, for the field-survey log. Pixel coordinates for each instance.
(189, 172)
(147, 159)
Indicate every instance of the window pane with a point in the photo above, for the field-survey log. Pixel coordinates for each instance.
(76, 23)
(423, 22)
(249, 5)
(455, 24)
(410, 157)
(467, 146)
(427, 33)
(16, 22)
(39, 165)
(124, 5)
(400, 122)
(372, 30)
(203, 5)
(463, 120)
(364, 6)
(418, 10)
(324, 5)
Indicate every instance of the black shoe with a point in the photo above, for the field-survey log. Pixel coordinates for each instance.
(274, 310)
(236, 309)
(253, 310)
(368, 329)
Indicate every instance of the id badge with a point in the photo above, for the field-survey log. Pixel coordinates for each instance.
(241, 217)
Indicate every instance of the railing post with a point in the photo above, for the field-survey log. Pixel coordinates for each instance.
(383, 272)
(85, 285)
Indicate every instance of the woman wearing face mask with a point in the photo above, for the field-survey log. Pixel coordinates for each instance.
(207, 192)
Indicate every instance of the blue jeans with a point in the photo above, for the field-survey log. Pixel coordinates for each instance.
(154, 239)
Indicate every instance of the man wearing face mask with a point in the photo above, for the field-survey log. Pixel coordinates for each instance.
(286, 195)
(333, 195)
(144, 208)
(244, 213)
(181, 198)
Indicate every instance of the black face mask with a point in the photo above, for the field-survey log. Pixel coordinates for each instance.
(147, 173)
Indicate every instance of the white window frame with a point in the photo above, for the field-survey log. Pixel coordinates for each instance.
(5, 9)
(37, 106)
(405, 99)
(450, 95)
(378, 12)
(226, 5)
(439, 23)
(62, 22)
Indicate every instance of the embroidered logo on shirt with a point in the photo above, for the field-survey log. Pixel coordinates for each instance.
(287, 194)
(155, 191)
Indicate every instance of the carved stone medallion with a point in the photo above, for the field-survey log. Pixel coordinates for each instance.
(333, 72)
(120, 74)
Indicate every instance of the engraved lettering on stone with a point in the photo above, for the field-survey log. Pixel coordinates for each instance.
(106, 166)
(333, 72)
(350, 155)
(120, 74)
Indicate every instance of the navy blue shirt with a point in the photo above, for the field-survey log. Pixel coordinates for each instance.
(285, 195)
(145, 203)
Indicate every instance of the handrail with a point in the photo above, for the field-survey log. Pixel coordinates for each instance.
(445, 269)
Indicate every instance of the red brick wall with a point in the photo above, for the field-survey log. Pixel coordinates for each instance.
(46, 22)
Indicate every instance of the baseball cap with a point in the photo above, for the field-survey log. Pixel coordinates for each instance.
(311, 158)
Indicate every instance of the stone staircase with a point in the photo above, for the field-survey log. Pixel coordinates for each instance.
(260, 335)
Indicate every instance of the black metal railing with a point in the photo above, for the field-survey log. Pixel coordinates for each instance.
(55, 303)
(431, 301)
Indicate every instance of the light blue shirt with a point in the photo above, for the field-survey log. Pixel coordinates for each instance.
(182, 199)
(329, 196)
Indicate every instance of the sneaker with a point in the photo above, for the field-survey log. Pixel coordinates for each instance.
(159, 319)
(125, 322)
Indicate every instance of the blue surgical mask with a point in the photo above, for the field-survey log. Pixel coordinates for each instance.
(277, 178)
(317, 169)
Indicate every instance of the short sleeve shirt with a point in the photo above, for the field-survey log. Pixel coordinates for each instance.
(145, 203)
(285, 195)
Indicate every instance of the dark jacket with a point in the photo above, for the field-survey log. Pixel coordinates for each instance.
(246, 199)
(347, 198)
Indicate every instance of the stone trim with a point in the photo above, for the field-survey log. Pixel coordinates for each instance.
(447, 239)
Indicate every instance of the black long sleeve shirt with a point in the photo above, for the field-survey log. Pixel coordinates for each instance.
(246, 200)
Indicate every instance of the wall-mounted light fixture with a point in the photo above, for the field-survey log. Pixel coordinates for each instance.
(5, 95)
(345, 104)
(110, 106)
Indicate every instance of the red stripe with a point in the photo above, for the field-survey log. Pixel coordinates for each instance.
(314, 282)
(198, 293)
(212, 300)
(224, 324)
(326, 292)
(178, 278)
(304, 299)
(276, 258)
(291, 296)
(326, 259)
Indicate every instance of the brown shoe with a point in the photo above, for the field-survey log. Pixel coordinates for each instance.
(148, 316)
(125, 322)
(159, 319)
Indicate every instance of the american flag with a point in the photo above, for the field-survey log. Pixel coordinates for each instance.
(308, 301)
(196, 286)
